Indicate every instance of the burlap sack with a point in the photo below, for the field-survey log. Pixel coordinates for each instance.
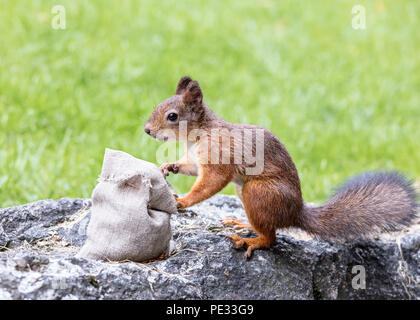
(131, 207)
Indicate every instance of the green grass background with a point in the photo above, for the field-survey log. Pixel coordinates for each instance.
(342, 100)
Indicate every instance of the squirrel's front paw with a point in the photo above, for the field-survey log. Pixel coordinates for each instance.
(181, 203)
(169, 167)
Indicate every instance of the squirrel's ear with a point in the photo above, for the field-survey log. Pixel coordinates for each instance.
(182, 85)
(193, 95)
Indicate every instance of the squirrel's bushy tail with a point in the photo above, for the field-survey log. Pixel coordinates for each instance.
(366, 203)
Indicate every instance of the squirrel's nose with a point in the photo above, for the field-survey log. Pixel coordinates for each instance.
(147, 130)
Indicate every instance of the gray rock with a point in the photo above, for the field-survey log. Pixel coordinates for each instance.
(39, 241)
(31, 221)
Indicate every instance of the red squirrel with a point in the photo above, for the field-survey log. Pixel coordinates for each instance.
(272, 196)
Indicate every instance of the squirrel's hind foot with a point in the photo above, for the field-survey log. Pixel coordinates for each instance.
(251, 243)
(235, 223)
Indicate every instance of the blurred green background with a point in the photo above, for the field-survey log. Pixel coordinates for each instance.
(342, 100)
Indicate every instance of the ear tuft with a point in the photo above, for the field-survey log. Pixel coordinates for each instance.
(193, 94)
(182, 84)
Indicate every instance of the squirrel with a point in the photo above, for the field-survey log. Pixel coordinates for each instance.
(272, 197)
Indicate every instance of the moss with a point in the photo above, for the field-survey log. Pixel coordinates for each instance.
(316, 291)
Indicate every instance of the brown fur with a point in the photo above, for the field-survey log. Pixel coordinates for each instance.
(273, 199)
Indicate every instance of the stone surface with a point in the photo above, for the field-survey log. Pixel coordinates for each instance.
(38, 242)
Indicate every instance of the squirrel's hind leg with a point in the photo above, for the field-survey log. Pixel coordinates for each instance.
(235, 223)
(259, 204)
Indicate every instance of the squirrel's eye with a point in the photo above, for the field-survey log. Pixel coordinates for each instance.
(172, 116)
